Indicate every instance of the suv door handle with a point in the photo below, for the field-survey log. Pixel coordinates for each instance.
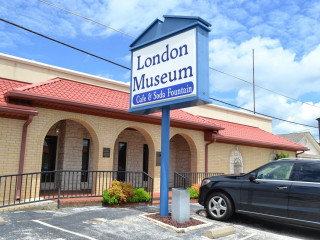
(282, 187)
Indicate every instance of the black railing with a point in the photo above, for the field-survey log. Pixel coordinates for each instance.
(187, 179)
(55, 185)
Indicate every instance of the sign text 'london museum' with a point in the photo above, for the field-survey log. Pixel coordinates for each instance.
(165, 71)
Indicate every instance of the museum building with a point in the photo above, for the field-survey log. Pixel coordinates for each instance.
(58, 119)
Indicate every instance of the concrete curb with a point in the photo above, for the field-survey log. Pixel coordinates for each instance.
(220, 232)
(178, 230)
(31, 206)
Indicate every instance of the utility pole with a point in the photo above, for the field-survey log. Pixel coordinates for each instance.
(318, 119)
(254, 90)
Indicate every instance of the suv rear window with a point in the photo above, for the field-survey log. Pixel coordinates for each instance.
(309, 172)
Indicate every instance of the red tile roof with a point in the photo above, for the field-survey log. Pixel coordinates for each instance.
(248, 134)
(7, 85)
(76, 92)
(12, 110)
(71, 92)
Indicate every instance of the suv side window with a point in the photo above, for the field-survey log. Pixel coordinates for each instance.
(276, 171)
(309, 172)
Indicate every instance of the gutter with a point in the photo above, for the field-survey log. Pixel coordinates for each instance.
(17, 109)
(299, 153)
(22, 154)
(246, 142)
(206, 162)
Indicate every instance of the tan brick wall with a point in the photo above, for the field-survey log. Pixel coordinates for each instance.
(253, 157)
(10, 144)
(104, 132)
(73, 144)
(134, 158)
(180, 157)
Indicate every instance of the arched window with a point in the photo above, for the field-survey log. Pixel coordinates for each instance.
(236, 163)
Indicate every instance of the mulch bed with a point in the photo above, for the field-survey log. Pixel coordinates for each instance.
(169, 221)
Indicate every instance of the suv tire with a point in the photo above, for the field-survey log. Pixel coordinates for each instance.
(219, 206)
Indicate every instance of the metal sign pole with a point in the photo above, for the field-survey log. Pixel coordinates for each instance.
(165, 153)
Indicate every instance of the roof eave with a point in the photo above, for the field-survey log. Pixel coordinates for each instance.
(145, 118)
(246, 142)
(11, 108)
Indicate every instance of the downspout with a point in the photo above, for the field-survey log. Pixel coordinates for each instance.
(22, 154)
(299, 153)
(206, 155)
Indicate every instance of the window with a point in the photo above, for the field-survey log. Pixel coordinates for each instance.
(49, 158)
(145, 160)
(122, 161)
(276, 171)
(85, 159)
(310, 172)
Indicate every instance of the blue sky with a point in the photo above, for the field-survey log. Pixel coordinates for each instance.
(284, 34)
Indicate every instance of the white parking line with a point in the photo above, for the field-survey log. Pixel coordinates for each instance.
(251, 235)
(64, 230)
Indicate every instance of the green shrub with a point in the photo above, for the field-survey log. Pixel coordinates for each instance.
(140, 195)
(120, 192)
(194, 191)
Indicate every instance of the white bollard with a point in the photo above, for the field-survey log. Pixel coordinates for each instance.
(180, 211)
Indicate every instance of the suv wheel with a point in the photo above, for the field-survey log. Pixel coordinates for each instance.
(219, 206)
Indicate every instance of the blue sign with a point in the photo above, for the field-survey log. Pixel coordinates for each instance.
(170, 70)
(170, 65)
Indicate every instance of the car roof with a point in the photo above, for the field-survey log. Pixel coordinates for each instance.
(299, 160)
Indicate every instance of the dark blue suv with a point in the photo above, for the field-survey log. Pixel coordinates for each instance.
(286, 190)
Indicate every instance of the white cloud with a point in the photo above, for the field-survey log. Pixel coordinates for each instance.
(275, 68)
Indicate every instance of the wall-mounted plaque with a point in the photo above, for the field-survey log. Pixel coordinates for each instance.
(106, 152)
(158, 158)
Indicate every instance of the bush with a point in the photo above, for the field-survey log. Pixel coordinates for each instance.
(140, 195)
(194, 191)
(124, 192)
(281, 155)
(118, 193)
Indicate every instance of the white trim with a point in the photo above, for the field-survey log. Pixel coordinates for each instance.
(63, 70)
(238, 111)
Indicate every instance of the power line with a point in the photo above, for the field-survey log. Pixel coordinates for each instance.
(104, 59)
(65, 44)
(266, 89)
(89, 19)
(37, 20)
(265, 115)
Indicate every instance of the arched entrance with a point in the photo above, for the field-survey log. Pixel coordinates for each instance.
(133, 151)
(68, 146)
(181, 156)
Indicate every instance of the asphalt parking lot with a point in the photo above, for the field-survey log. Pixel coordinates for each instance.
(123, 223)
